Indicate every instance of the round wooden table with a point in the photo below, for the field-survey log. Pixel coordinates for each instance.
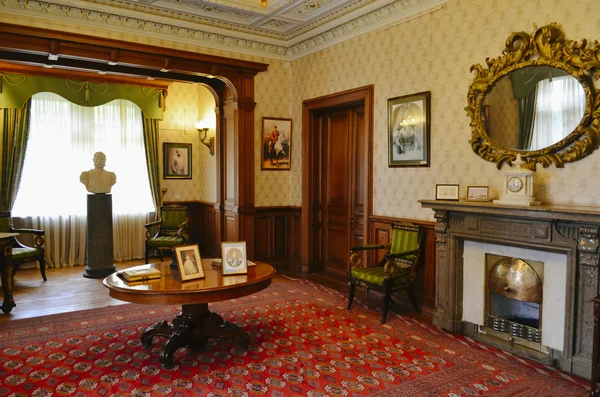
(195, 324)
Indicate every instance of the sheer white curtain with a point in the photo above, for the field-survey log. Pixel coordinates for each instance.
(560, 104)
(62, 141)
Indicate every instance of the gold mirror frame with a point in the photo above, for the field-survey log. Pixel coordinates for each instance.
(547, 46)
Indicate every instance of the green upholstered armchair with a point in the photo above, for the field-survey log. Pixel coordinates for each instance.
(395, 272)
(171, 230)
(22, 253)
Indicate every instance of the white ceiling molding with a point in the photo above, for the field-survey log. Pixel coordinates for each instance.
(330, 26)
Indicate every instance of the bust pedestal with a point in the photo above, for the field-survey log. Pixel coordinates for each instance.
(99, 247)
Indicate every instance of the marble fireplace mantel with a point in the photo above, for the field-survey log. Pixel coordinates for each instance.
(570, 230)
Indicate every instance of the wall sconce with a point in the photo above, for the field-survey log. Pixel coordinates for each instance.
(209, 142)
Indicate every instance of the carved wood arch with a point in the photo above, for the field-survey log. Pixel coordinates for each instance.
(33, 50)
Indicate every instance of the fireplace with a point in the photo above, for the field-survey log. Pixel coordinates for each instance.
(514, 295)
(559, 245)
(512, 284)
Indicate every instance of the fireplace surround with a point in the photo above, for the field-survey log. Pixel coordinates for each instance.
(563, 234)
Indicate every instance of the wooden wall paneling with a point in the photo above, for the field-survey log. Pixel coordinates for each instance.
(295, 239)
(277, 231)
(263, 236)
(380, 228)
(280, 235)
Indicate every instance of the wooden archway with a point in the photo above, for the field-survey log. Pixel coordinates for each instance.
(30, 50)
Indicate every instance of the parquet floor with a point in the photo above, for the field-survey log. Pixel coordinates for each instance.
(67, 290)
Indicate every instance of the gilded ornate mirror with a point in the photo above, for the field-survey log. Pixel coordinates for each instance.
(537, 99)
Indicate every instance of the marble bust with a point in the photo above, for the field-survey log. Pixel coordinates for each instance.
(98, 180)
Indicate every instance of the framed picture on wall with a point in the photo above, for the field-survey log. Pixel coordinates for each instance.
(409, 130)
(177, 160)
(276, 153)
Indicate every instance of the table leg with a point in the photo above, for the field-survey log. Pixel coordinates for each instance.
(6, 267)
(192, 328)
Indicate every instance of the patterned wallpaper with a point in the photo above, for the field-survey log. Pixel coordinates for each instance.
(273, 99)
(207, 164)
(178, 126)
(430, 53)
(434, 53)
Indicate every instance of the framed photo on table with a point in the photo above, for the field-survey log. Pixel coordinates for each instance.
(446, 192)
(189, 262)
(276, 153)
(409, 130)
(234, 258)
(177, 160)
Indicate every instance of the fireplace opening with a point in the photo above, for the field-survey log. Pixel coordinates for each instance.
(514, 298)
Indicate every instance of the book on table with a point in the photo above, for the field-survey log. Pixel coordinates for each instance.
(141, 274)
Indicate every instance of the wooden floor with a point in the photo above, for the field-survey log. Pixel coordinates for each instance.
(67, 290)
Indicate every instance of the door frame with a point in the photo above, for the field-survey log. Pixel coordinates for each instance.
(357, 96)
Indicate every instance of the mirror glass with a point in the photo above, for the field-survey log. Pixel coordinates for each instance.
(533, 108)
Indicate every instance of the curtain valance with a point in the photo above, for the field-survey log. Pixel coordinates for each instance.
(16, 89)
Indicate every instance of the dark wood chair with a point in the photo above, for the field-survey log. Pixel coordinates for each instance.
(171, 230)
(20, 252)
(397, 270)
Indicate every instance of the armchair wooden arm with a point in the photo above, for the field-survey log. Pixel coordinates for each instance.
(155, 223)
(35, 231)
(38, 238)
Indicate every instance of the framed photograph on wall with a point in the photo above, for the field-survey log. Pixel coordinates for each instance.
(446, 192)
(409, 130)
(276, 153)
(234, 258)
(189, 262)
(177, 160)
(478, 193)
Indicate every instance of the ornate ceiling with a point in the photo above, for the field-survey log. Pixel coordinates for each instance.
(285, 29)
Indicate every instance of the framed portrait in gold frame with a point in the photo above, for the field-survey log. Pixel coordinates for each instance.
(189, 262)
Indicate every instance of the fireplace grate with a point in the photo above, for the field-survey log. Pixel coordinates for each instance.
(514, 329)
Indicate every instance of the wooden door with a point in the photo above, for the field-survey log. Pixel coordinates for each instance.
(343, 185)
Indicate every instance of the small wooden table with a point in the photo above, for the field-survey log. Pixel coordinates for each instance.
(8, 271)
(195, 324)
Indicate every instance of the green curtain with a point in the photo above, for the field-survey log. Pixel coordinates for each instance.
(16, 89)
(13, 141)
(526, 119)
(152, 161)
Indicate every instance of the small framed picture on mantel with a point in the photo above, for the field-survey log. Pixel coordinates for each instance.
(446, 192)
(478, 193)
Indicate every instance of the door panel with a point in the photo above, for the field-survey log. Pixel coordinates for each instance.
(359, 168)
(336, 189)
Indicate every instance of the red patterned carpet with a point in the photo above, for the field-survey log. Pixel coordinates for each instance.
(304, 343)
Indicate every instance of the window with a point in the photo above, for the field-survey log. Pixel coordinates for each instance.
(62, 141)
(560, 104)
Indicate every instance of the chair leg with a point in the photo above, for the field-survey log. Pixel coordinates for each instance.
(352, 287)
(146, 255)
(43, 268)
(386, 307)
(413, 299)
